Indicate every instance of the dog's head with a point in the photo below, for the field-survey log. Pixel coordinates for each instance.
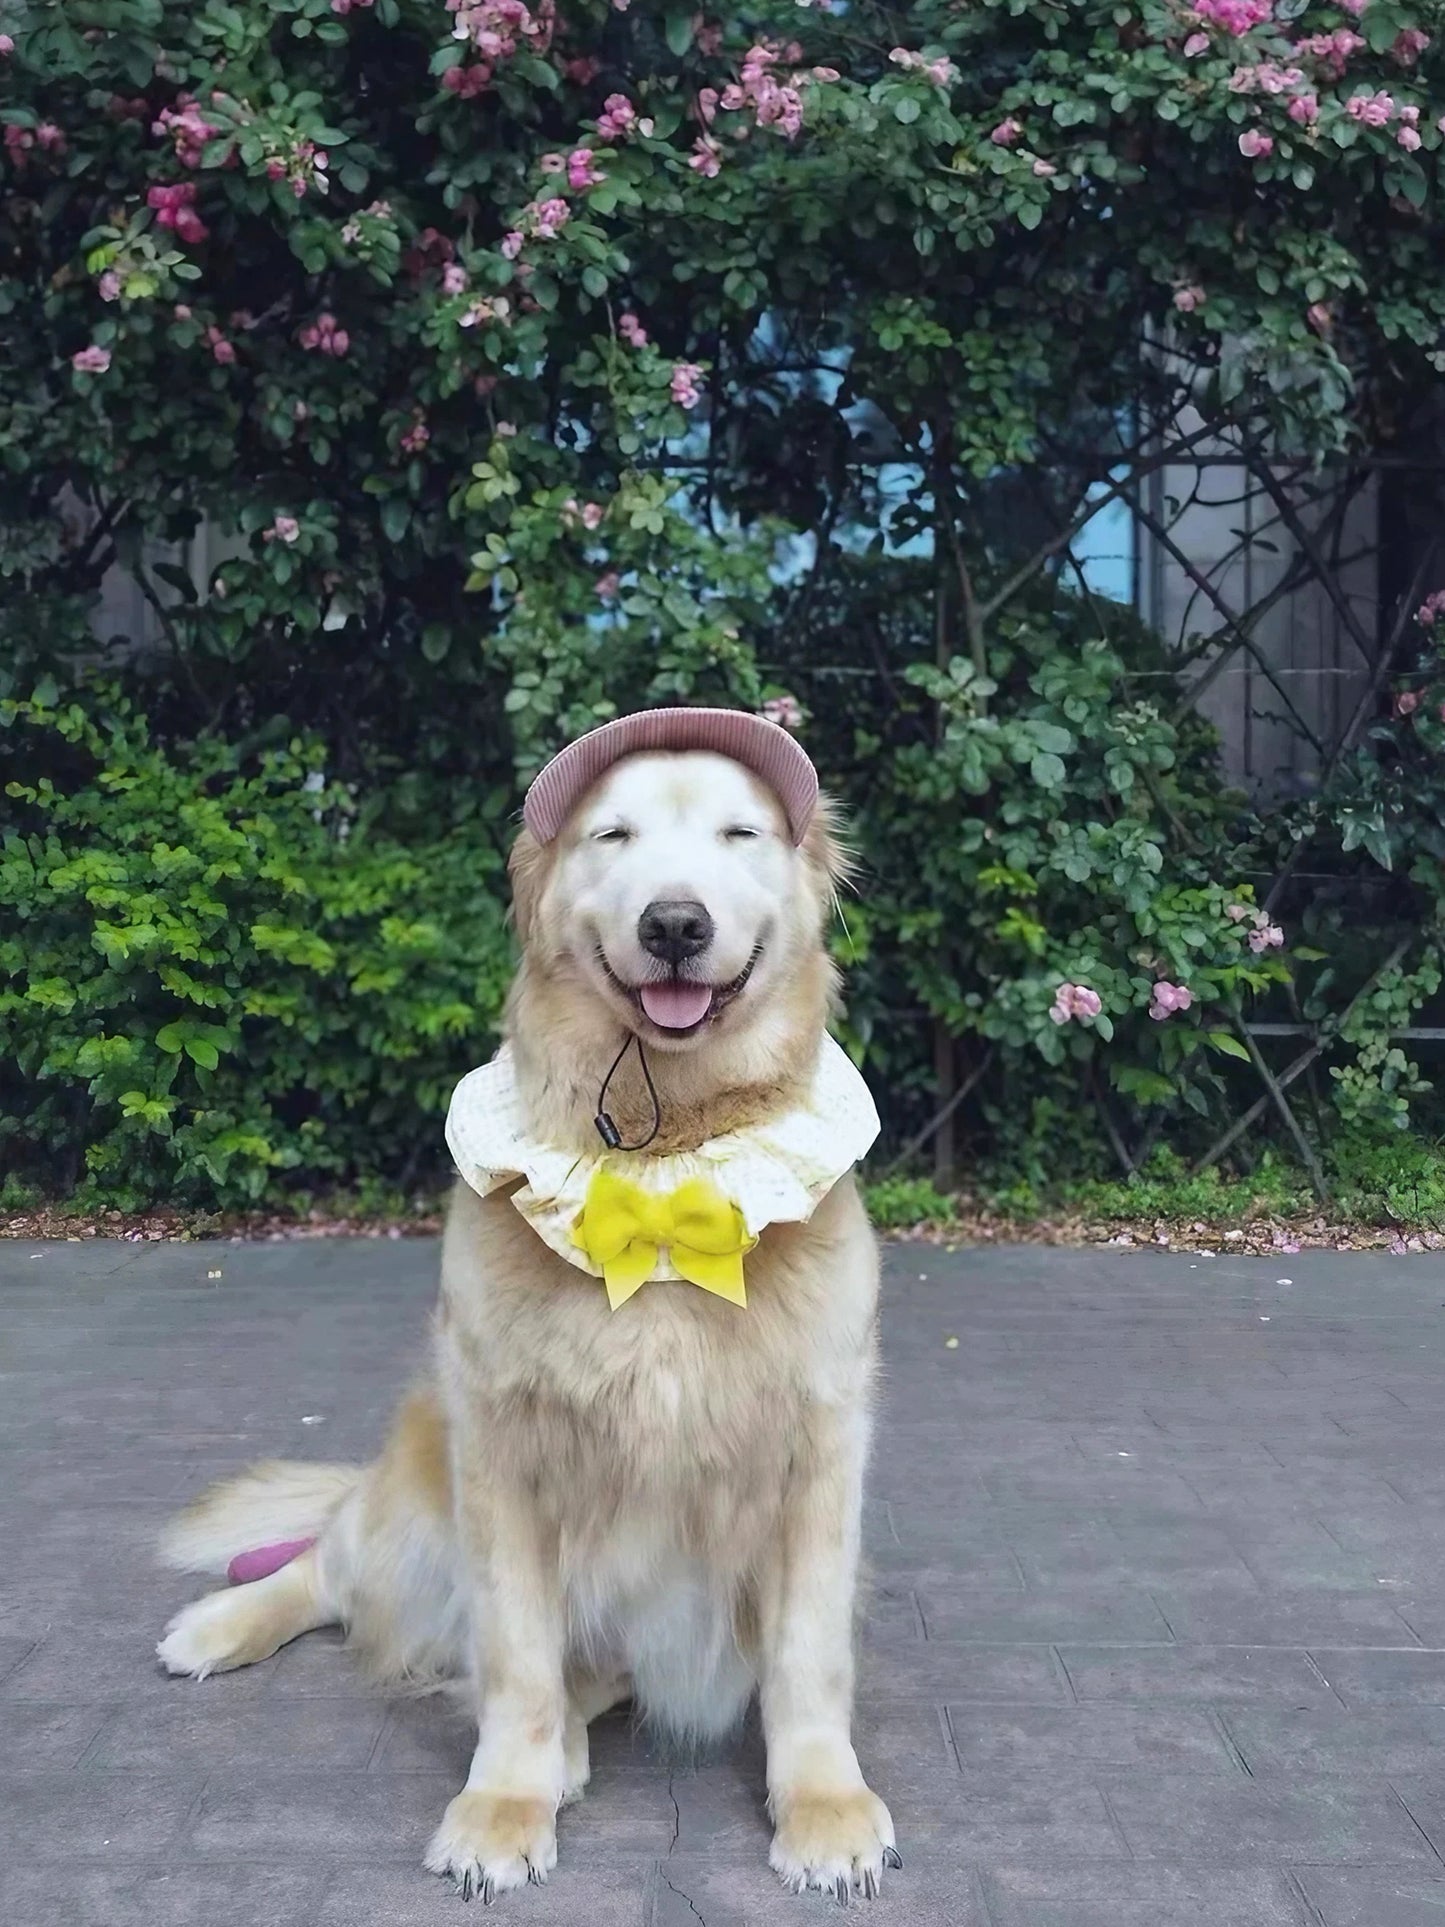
(676, 897)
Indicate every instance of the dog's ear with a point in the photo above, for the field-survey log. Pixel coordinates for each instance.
(830, 855)
(528, 867)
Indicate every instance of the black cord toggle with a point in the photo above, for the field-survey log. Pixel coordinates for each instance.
(606, 1129)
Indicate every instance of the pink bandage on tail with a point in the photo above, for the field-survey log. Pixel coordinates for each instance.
(261, 1561)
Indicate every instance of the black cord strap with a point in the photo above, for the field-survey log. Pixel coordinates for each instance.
(606, 1129)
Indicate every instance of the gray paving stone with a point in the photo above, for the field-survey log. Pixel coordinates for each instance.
(1363, 1678)
(1152, 1896)
(573, 1897)
(960, 1613)
(1321, 1820)
(42, 1738)
(202, 1734)
(1312, 1617)
(1207, 1673)
(60, 1817)
(1050, 1738)
(159, 1896)
(286, 1816)
(1373, 1897)
(936, 1669)
(1375, 1739)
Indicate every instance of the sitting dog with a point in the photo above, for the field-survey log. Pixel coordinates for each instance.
(635, 1470)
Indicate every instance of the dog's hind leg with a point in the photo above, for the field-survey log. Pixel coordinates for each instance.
(248, 1623)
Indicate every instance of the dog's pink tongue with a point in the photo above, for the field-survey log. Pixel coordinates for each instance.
(676, 1006)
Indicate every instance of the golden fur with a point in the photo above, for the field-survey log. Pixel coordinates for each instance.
(580, 1506)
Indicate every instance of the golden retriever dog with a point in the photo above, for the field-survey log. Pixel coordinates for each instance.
(580, 1506)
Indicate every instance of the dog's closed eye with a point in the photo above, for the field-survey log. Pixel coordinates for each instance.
(615, 833)
(741, 832)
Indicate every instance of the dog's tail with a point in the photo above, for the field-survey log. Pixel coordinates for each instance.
(283, 1499)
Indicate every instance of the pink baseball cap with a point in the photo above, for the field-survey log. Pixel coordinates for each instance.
(763, 747)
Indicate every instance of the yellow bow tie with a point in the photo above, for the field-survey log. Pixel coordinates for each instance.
(622, 1227)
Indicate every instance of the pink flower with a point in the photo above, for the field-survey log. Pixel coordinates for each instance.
(1254, 145)
(1195, 45)
(550, 218)
(1237, 912)
(592, 514)
(608, 585)
(7, 45)
(1410, 43)
(1409, 138)
(182, 312)
(511, 245)
(1044, 169)
(583, 72)
(1320, 316)
(454, 279)
(553, 164)
(416, 437)
(284, 529)
(1406, 703)
(1234, 16)
(467, 82)
(222, 350)
(1371, 110)
(1166, 998)
(1007, 132)
(1265, 935)
(1332, 50)
(1075, 1001)
(506, 431)
(706, 158)
(1186, 300)
(617, 119)
(109, 285)
(91, 361)
(324, 337)
(1356, 7)
(684, 384)
(1304, 109)
(786, 711)
(632, 330)
(1430, 608)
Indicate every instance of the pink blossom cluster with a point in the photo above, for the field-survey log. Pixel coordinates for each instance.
(467, 82)
(1409, 44)
(1166, 998)
(1075, 1001)
(582, 170)
(589, 514)
(607, 586)
(1186, 300)
(285, 529)
(583, 71)
(1008, 132)
(347, 6)
(1371, 110)
(93, 360)
(1406, 703)
(786, 711)
(7, 45)
(617, 119)
(454, 278)
(1254, 145)
(187, 128)
(1234, 16)
(1331, 50)
(544, 220)
(1304, 109)
(109, 285)
(1321, 317)
(632, 330)
(1266, 78)
(175, 209)
(1264, 935)
(775, 103)
(1431, 609)
(706, 157)
(418, 435)
(941, 72)
(47, 137)
(377, 211)
(304, 165)
(222, 350)
(499, 308)
(497, 28)
(324, 337)
(686, 376)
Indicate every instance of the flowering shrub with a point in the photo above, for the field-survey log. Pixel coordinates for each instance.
(526, 362)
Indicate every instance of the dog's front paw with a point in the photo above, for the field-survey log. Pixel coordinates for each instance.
(836, 1842)
(491, 1842)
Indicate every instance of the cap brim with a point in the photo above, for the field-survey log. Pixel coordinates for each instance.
(763, 747)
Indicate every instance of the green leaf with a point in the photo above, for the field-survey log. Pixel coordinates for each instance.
(679, 29)
(1047, 770)
(203, 1053)
(395, 518)
(906, 109)
(171, 1038)
(595, 282)
(1223, 1040)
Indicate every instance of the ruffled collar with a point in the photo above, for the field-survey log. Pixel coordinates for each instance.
(776, 1172)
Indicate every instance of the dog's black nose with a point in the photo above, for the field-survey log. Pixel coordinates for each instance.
(674, 928)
